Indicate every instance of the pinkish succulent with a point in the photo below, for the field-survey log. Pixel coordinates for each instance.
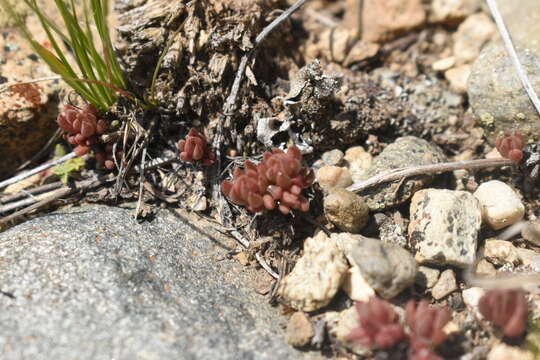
(379, 325)
(276, 182)
(426, 324)
(194, 148)
(507, 309)
(510, 145)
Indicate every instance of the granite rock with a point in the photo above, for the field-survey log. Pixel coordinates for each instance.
(92, 283)
(444, 227)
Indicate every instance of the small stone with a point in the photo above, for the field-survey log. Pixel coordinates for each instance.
(445, 285)
(387, 268)
(346, 210)
(500, 252)
(501, 206)
(458, 77)
(358, 161)
(340, 325)
(427, 277)
(356, 286)
(444, 227)
(471, 36)
(333, 176)
(531, 232)
(452, 12)
(316, 276)
(299, 330)
(471, 297)
(333, 157)
(386, 20)
(444, 64)
(485, 268)
(404, 152)
(504, 352)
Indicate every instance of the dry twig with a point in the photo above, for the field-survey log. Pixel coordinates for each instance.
(27, 174)
(398, 174)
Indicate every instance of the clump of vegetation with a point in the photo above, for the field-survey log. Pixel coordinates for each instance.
(426, 325)
(507, 309)
(194, 148)
(379, 325)
(510, 145)
(277, 181)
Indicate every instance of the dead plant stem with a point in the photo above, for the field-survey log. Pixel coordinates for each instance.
(398, 174)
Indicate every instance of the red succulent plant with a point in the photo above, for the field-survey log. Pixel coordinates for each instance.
(507, 309)
(277, 181)
(426, 325)
(510, 146)
(378, 325)
(83, 128)
(195, 148)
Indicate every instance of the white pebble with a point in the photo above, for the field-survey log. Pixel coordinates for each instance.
(501, 206)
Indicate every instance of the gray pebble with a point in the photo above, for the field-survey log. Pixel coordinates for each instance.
(531, 232)
(388, 268)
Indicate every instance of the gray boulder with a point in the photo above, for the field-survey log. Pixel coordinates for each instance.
(92, 283)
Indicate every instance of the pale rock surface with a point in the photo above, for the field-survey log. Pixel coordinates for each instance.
(445, 285)
(452, 12)
(346, 210)
(317, 275)
(471, 36)
(358, 161)
(444, 227)
(444, 64)
(501, 206)
(330, 177)
(355, 286)
(458, 77)
(505, 352)
(386, 20)
(500, 252)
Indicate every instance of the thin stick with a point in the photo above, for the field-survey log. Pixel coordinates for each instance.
(277, 21)
(266, 267)
(57, 194)
(397, 174)
(34, 191)
(492, 4)
(36, 170)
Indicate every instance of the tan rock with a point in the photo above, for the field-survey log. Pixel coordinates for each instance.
(452, 12)
(386, 20)
(485, 268)
(501, 205)
(299, 330)
(317, 275)
(458, 77)
(340, 325)
(471, 36)
(444, 64)
(445, 285)
(329, 177)
(471, 298)
(500, 252)
(346, 210)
